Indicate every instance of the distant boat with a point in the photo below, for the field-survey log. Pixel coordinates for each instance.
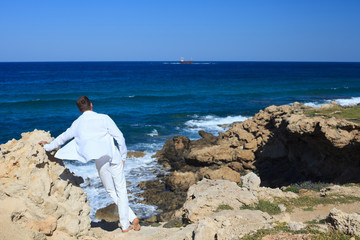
(185, 62)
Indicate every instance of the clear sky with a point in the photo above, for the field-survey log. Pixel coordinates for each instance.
(134, 30)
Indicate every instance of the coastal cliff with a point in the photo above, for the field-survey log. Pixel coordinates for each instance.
(39, 197)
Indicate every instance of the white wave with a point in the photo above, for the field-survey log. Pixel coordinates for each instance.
(212, 123)
(317, 104)
(153, 133)
(346, 102)
(341, 101)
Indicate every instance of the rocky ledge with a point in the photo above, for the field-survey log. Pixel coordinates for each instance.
(39, 197)
(282, 144)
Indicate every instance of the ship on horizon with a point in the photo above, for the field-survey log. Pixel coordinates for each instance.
(182, 61)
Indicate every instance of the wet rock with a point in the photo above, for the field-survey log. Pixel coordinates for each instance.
(109, 213)
(134, 154)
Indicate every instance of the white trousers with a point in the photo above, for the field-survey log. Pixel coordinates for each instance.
(113, 178)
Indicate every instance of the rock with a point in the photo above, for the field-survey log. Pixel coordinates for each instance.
(46, 226)
(181, 181)
(344, 222)
(236, 166)
(251, 181)
(224, 173)
(282, 207)
(295, 226)
(204, 198)
(134, 154)
(109, 213)
(228, 225)
(340, 190)
(37, 193)
(270, 194)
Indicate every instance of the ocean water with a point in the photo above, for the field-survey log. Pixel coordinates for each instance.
(153, 101)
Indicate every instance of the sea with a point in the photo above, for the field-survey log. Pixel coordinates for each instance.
(153, 101)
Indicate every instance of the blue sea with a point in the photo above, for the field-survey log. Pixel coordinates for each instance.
(153, 101)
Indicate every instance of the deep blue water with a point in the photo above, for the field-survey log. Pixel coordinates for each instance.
(142, 96)
(153, 101)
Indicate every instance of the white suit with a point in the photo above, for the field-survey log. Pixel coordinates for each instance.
(94, 136)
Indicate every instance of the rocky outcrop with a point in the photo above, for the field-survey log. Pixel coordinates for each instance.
(344, 222)
(280, 143)
(38, 195)
(231, 225)
(205, 197)
(209, 196)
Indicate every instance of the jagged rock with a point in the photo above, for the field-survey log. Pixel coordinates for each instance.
(37, 193)
(204, 198)
(224, 173)
(344, 222)
(181, 181)
(251, 181)
(231, 225)
(47, 226)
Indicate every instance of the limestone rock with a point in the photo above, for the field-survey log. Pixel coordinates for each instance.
(181, 181)
(206, 196)
(296, 226)
(37, 193)
(231, 225)
(344, 222)
(47, 226)
(224, 173)
(251, 181)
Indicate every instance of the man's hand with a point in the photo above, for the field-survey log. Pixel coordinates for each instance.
(123, 163)
(42, 143)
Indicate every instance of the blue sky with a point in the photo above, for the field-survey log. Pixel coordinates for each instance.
(253, 30)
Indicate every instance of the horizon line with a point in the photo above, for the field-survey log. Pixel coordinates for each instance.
(254, 61)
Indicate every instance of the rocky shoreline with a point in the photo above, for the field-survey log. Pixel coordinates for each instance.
(280, 143)
(213, 187)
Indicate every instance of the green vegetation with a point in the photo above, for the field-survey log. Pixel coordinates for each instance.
(311, 201)
(351, 113)
(309, 209)
(223, 207)
(317, 186)
(312, 222)
(265, 206)
(311, 230)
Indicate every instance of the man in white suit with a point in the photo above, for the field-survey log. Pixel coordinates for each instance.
(94, 136)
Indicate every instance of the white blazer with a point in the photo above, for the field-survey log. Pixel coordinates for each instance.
(94, 136)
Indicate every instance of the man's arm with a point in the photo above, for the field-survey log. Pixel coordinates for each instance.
(60, 140)
(115, 132)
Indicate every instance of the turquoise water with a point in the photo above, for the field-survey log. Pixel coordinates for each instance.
(153, 101)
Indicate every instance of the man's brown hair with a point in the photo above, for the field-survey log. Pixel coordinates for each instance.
(83, 103)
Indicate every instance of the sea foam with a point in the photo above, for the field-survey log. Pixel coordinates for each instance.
(211, 123)
(341, 101)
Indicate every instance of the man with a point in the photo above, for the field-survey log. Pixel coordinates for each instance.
(94, 136)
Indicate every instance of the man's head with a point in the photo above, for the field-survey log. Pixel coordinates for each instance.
(84, 104)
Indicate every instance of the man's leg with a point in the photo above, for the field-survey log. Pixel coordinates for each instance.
(103, 167)
(126, 214)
